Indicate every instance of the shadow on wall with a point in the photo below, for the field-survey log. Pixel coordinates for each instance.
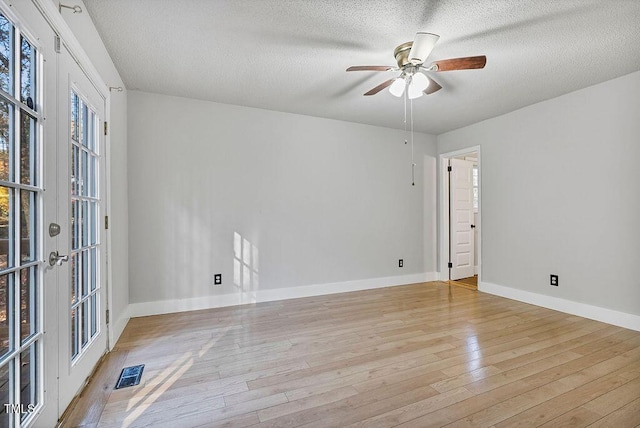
(245, 268)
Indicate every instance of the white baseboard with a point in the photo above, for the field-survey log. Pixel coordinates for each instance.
(609, 316)
(257, 296)
(475, 270)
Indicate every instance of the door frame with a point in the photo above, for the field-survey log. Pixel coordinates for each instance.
(443, 211)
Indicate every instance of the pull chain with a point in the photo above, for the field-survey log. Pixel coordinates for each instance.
(405, 117)
(413, 165)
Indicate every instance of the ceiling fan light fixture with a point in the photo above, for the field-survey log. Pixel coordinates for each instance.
(419, 81)
(413, 92)
(397, 87)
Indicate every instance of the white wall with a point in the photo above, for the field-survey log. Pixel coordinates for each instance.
(86, 33)
(561, 194)
(323, 201)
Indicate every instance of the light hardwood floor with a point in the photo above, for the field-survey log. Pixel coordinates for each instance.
(413, 356)
(470, 283)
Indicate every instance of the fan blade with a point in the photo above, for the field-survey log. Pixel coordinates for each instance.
(433, 87)
(422, 46)
(369, 68)
(468, 63)
(380, 87)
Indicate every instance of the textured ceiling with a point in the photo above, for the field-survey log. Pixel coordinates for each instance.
(291, 55)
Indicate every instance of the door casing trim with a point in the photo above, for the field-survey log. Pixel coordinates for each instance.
(443, 206)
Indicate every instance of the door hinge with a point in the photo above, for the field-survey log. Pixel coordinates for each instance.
(449, 168)
(56, 44)
(106, 222)
(106, 316)
(450, 265)
(106, 127)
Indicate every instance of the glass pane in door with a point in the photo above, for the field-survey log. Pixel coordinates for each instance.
(85, 245)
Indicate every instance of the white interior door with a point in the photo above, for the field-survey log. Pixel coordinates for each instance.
(461, 219)
(80, 209)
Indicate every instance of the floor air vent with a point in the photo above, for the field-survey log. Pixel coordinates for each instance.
(130, 376)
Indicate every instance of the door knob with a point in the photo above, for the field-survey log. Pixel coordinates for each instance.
(57, 259)
(473, 226)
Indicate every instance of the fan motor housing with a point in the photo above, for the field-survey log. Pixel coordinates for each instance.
(401, 54)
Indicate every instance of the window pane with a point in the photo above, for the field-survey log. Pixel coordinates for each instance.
(85, 318)
(74, 278)
(74, 116)
(80, 121)
(76, 281)
(84, 219)
(94, 315)
(25, 377)
(27, 73)
(93, 220)
(6, 34)
(27, 225)
(84, 123)
(6, 114)
(74, 333)
(27, 302)
(91, 182)
(92, 132)
(5, 310)
(94, 267)
(75, 225)
(28, 378)
(74, 170)
(84, 174)
(6, 227)
(5, 388)
(85, 273)
(27, 149)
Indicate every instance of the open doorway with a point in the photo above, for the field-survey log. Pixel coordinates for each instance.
(461, 230)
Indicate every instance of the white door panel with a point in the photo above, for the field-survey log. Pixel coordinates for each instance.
(461, 219)
(80, 166)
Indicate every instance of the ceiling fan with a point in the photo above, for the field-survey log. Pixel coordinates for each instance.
(410, 57)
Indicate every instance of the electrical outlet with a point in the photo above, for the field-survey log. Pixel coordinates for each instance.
(554, 280)
(400, 263)
(217, 279)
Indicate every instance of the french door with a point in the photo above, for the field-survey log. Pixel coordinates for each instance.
(21, 195)
(52, 255)
(80, 258)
